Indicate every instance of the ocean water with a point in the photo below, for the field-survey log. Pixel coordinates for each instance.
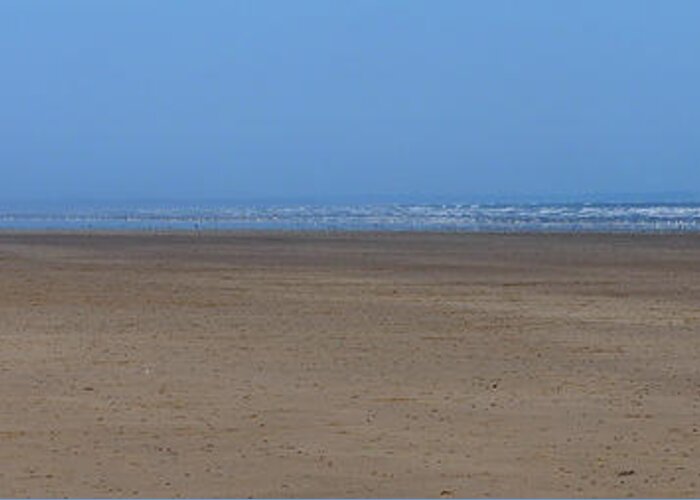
(392, 217)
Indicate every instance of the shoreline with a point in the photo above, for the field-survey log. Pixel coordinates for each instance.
(352, 232)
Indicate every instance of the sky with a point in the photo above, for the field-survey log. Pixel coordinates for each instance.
(334, 100)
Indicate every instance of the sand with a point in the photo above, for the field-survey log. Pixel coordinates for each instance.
(349, 365)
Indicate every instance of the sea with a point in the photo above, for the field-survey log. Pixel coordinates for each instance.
(454, 217)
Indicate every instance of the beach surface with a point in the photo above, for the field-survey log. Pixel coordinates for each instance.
(349, 365)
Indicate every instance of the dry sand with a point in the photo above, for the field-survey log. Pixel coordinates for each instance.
(349, 365)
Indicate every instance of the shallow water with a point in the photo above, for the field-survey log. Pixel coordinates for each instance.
(391, 217)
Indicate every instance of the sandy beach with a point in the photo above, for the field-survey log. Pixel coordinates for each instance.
(349, 365)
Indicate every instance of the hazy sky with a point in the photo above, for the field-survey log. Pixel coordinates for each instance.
(237, 99)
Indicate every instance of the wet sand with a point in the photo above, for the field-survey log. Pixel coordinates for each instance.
(349, 365)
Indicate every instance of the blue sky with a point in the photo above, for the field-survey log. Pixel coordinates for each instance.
(294, 99)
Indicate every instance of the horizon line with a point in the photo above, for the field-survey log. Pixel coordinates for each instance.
(408, 198)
